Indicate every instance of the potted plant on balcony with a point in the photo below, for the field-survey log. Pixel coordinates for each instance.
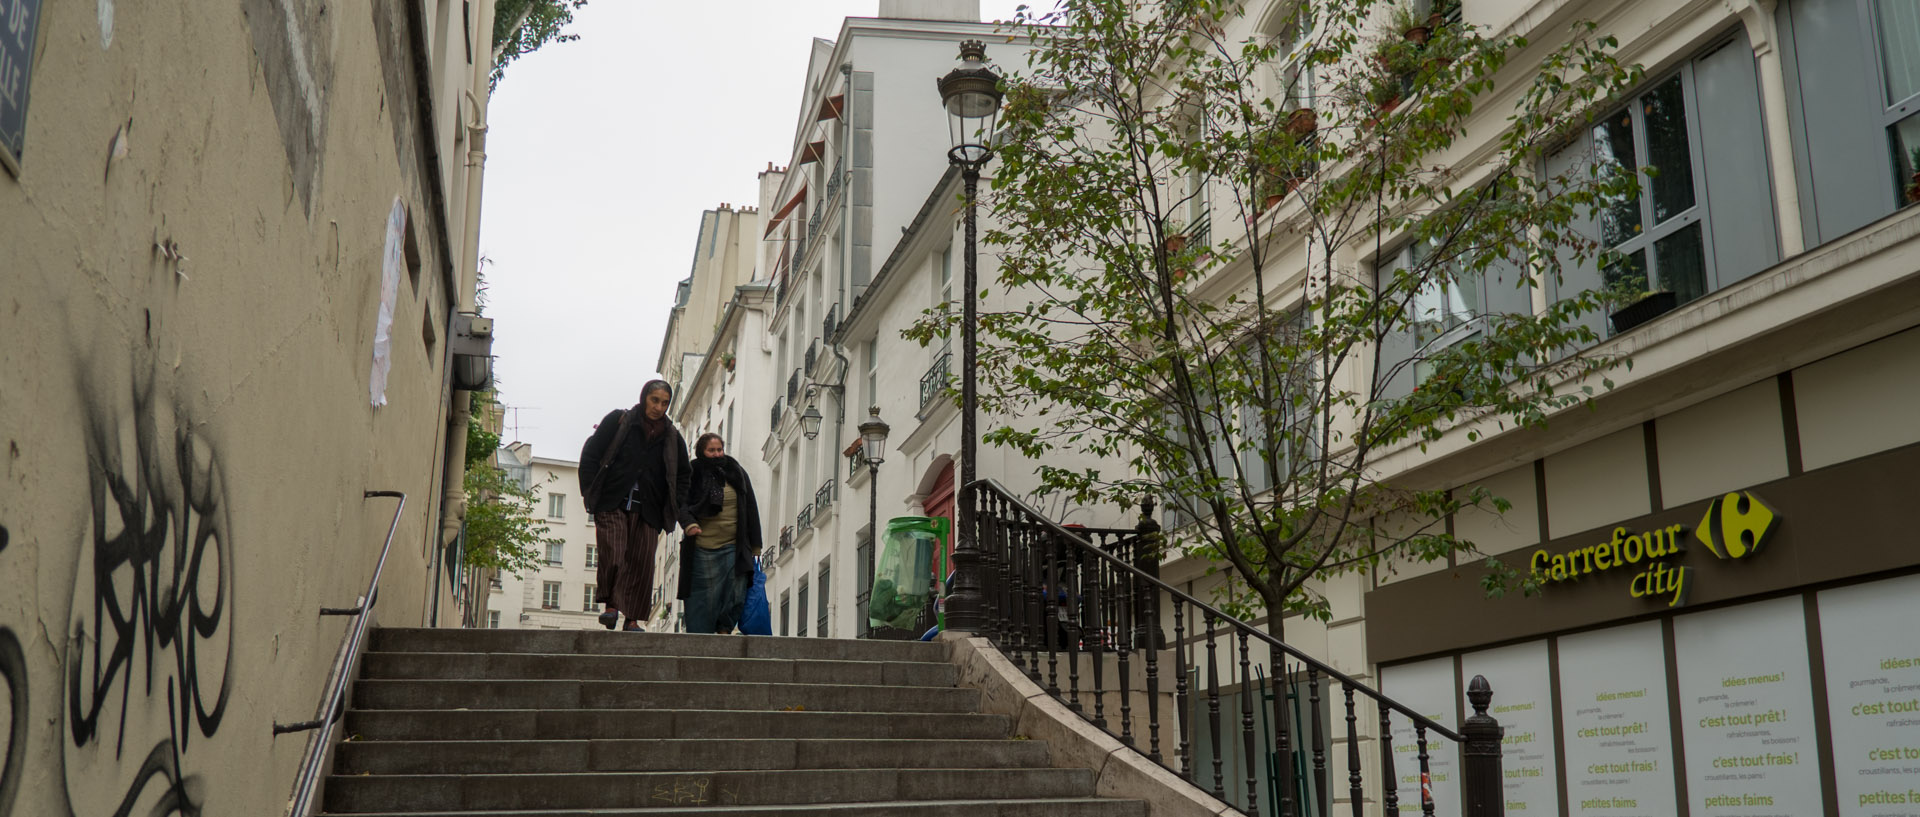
(727, 361)
(1442, 9)
(1413, 29)
(1913, 182)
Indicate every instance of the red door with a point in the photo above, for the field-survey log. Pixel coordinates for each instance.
(939, 503)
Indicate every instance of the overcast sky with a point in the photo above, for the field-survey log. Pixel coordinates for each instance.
(601, 155)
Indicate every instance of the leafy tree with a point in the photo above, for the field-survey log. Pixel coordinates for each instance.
(502, 531)
(1200, 202)
(521, 27)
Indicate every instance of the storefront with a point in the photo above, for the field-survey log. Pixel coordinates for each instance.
(1755, 653)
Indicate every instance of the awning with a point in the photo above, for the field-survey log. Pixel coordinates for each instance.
(832, 107)
(785, 210)
(813, 152)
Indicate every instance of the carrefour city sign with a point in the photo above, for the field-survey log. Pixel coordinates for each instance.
(1735, 526)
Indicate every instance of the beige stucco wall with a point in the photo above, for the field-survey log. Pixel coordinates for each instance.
(187, 439)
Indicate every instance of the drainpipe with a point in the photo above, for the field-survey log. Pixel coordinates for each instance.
(453, 506)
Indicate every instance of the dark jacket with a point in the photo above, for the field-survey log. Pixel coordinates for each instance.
(704, 498)
(659, 467)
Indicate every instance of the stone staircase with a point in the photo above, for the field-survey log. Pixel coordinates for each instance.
(533, 723)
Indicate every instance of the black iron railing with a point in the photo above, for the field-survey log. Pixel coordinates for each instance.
(793, 387)
(776, 415)
(935, 380)
(307, 781)
(830, 323)
(823, 498)
(813, 355)
(1093, 600)
(804, 520)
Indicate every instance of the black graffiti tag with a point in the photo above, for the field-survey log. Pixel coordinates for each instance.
(151, 613)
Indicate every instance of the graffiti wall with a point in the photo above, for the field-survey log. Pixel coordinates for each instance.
(187, 321)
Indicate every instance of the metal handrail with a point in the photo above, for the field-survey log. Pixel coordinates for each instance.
(1235, 623)
(306, 783)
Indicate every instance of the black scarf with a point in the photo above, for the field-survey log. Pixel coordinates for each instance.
(710, 476)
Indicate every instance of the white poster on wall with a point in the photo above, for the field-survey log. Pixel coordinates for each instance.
(1746, 706)
(1523, 704)
(1870, 636)
(1426, 687)
(1613, 719)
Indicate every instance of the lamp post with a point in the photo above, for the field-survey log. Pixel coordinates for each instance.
(873, 446)
(971, 95)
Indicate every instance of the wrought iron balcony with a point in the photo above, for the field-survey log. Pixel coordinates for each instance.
(935, 380)
(823, 498)
(793, 387)
(830, 323)
(813, 355)
(805, 520)
(776, 414)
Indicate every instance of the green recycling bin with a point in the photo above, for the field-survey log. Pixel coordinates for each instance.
(903, 578)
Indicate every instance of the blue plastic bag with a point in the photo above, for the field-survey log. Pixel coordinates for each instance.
(756, 618)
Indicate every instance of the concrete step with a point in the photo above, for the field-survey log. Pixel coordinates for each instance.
(1051, 807)
(389, 694)
(606, 642)
(574, 666)
(585, 724)
(652, 755)
(349, 794)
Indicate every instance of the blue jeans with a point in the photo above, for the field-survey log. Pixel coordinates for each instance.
(717, 593)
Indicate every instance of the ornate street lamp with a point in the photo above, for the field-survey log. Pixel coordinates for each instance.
(971, 95)
(810, 421)
(873, 446)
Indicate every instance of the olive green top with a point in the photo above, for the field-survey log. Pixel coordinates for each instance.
(720, 529)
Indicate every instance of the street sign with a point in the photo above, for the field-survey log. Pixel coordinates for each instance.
(19, 29)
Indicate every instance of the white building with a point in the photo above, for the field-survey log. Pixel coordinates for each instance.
(559, 595)
(723, 377)
(862, 238)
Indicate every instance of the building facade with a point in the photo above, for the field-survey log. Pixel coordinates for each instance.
(559, 595)
(1719, 529)
(238, 239)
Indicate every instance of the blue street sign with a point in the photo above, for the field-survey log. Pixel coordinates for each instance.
(19, 26)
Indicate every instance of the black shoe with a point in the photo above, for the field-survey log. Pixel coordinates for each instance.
(610, 619)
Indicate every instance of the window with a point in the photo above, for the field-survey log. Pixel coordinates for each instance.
(1450, 307)
(593, 557)
(785, 607)
(943, 279)
(873, 373)
(549, 595)
(586, 600)
(1897, 25)
(493, 619)
(824, 587)
(800, 623)
(556, 506)
(556, 551)
(1291, 73)
(1663, 236)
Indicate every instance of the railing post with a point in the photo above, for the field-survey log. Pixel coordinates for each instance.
(1481, 754)
(1146, 558)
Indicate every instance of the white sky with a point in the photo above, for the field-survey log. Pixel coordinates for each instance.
(601, 155)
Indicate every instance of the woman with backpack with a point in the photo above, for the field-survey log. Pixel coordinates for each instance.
(633, 473)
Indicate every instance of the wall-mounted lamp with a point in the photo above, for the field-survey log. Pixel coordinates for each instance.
(472, 347)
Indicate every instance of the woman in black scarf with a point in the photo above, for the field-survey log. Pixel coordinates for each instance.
(726, 539)
(633, 472)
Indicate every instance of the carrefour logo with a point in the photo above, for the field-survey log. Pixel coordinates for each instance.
(1736, 525)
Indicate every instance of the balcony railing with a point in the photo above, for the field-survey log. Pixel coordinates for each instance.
(793, 387)
(855, 462)
(804, 521)
(823, 498)
(776, 414)
(813, 354)
(830, 323)
(834, 181)
(799, 251)
(935, 380)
